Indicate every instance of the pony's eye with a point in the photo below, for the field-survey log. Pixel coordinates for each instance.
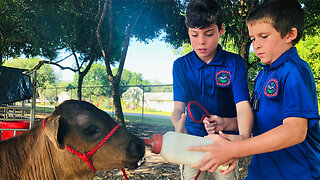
(91, 130)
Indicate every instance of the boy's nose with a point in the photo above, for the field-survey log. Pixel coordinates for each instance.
(201, 41)
(256, 45)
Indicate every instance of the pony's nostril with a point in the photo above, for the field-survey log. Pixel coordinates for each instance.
(136, 148)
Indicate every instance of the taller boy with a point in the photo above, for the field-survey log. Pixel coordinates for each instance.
(215, 78)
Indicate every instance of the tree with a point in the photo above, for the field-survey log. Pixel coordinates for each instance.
(124, 19)
(133, 97)
(17, 35)
(71, 26)
(96, 78)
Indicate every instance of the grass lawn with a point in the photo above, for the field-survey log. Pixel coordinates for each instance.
(148, 120)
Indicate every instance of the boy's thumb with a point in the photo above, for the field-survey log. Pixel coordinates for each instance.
(223, 135)
(183, 117)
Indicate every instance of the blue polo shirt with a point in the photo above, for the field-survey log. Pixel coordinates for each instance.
(287, 89)
(217, 86)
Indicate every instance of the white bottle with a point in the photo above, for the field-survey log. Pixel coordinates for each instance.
(173, 147)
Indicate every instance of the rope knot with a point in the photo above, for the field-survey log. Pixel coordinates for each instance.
(84, 157)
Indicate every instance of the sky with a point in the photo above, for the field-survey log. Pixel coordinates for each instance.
(153, 60)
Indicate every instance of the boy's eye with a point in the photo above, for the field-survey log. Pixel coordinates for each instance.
(264, 36)
(194, 35)
(209, 34)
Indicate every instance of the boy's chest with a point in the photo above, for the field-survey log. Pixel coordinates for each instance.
(210, 77)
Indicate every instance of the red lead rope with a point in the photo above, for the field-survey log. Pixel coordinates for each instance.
(86, 156)
(207, 114)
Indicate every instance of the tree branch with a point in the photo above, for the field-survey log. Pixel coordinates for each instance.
(126, 45)
(102, 17)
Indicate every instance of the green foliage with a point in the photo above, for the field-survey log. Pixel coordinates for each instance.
(129, 78)
(133, 97)
(16, 31)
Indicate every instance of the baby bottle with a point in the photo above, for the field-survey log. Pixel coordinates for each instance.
(173, 147)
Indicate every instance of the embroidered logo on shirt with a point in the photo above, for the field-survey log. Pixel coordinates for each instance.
(223, 78)
(271, 88)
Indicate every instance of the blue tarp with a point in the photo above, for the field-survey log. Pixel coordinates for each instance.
(14, 85)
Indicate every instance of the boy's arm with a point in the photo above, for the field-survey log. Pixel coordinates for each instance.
(243, 123)
(245, 118)
(293, 131)
(178, 117)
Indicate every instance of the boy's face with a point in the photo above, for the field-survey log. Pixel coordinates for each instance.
(267, 42)
(205, 41)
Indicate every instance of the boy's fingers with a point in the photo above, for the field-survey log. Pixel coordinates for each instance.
(199, 148)
(230, 168)
(183, 117)
(213, 168)
(201, 163)
(209, 166)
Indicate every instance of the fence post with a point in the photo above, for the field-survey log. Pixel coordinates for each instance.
(142, 104)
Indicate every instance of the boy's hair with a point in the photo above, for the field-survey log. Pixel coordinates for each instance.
(282, 14)
(203, 13)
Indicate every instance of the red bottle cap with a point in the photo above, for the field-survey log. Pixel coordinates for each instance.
(155, 143)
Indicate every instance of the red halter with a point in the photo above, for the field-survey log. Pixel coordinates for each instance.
(86, 156)
(207, 114)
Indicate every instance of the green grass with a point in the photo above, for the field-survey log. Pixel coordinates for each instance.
(44, 110)
(148, 120)
(163, 113)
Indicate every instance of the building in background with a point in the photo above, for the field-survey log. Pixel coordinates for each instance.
(160, 101)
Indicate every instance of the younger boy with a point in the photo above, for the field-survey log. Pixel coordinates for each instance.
(215, 78)
(286, 131)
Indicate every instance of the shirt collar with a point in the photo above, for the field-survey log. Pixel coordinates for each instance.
(281, 60)
(216, 61)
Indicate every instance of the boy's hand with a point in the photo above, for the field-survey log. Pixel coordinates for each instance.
(214, 124)
(216, 154)
(180, 126)
(232, 137)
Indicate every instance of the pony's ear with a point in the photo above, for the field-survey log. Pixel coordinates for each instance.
(54, 129)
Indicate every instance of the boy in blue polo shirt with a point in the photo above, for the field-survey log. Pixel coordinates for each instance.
(286, 131)
(215, 78)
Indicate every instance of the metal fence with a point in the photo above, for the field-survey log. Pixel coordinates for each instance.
(134, 99)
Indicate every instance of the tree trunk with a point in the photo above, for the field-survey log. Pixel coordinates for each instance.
(114, 81)
(117, 101)
(245, 48)
(80, 81)
(1, 61)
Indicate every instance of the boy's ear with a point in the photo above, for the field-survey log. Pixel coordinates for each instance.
(222, 29)
(292, 35)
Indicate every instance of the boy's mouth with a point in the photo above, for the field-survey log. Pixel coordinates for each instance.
(202, 50)
(260, 55)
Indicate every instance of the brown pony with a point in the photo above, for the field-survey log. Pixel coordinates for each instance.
(42, 153)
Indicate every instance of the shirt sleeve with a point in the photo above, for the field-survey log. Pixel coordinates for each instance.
(240, 82)
(299, 98)
(179, 82)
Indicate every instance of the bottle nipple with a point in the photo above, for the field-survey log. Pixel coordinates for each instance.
(155, 143)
